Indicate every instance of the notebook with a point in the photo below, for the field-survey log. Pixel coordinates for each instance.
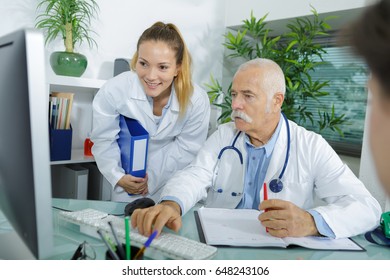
(241, 228)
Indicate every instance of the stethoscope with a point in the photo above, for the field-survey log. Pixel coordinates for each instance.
(276, 185)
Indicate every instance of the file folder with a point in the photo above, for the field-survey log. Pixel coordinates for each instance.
(133, 143)
(60, 143)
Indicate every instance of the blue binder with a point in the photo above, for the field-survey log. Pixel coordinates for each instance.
(133, 142)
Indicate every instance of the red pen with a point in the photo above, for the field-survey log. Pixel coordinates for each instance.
(265, 192)
(265, 198)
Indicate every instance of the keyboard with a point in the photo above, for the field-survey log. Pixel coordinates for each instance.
(170, 245)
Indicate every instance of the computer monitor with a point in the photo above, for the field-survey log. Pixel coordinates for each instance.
(25, 182)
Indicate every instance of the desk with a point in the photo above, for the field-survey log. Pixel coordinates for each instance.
(66, 242)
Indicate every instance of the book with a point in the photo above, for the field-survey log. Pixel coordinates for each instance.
(133, 143)
(64, 102)
(241, 228)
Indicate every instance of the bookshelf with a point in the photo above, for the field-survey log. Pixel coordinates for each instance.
(84, 90)
(79, 177)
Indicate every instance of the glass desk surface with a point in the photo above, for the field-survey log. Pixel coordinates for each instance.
(67, 240)
(64, 248)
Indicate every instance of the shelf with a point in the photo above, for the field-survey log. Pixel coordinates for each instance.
(74, 84)
(77, 156)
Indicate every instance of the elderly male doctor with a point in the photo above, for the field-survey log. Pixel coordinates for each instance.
(262, 149)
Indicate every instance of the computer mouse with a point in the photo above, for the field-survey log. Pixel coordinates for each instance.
(139, 203)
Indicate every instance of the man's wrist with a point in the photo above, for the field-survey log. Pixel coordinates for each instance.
(172, 204)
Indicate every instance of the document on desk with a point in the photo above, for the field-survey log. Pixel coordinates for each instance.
(241, 228)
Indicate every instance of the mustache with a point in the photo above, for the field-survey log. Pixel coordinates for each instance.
(241, 115)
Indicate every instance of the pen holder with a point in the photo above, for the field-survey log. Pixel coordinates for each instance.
(60, 144)
(134, 250)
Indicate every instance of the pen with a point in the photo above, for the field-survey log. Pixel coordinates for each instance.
(127, 228)
(110, 251)
(118, 244)
(146, 245)
(265, 198)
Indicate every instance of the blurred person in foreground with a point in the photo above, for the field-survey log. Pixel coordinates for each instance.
(369, 35)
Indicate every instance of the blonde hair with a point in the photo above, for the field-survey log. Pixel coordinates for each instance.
(171, 35)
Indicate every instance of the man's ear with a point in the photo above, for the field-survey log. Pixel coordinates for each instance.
(277, 101)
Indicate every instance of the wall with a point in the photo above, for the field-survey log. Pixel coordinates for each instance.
(238, 10)
(121, 22)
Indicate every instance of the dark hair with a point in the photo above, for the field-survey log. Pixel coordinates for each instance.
(170, 34)
(370, 37)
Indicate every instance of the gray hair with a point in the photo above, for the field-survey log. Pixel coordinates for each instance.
(274, 77)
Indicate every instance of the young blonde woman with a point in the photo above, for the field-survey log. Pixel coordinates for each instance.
(159, 93)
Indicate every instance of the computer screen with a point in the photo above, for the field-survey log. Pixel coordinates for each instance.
(25, 182)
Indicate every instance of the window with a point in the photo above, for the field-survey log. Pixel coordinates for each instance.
(347, 91)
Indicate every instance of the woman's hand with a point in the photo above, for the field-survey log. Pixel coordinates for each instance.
(134, 185)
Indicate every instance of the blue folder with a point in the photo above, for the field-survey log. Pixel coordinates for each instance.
(133, 142)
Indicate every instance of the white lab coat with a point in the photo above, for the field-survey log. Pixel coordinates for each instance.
(314, 169)
(172, 145)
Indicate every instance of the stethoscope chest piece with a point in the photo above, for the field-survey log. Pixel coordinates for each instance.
(276, 185)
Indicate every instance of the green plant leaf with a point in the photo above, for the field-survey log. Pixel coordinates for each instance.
(55, 15)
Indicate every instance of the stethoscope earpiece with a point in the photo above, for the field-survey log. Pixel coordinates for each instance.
(276, 185)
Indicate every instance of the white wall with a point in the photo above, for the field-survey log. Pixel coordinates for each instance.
(281, 9)
(121, 22)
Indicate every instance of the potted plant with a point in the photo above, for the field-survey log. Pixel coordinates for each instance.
(297, 54)
(70, 19)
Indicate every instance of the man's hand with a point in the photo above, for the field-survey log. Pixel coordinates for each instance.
(134, 185)
(147, 220)
(283, 218)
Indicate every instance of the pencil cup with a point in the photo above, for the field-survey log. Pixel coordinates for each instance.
(134, 251)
